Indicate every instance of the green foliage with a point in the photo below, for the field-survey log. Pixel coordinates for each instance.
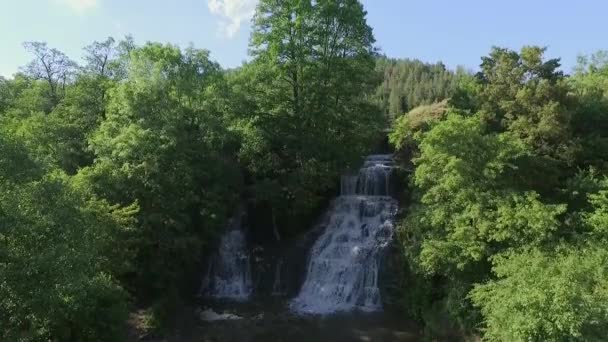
(52, 67)
(162, 146)
(529, 97)
(303, 111)
(597, 219)
(419, 119)
(55, 124)
(52, 138)
(156, 144)
(59, 261)
(541, 296)
(4, 94)
(504, 225)
(590, 123)
(468, 212)
(408, 84)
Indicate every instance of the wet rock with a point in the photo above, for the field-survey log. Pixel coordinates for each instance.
(209, 315)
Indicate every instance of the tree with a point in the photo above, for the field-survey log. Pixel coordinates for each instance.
(163, 146)
(589, 84)
(5, 96)
(119, 66)
(99, 56)
(597, 219)
(50, 65)
(312, 71)
(54, 233)
(395, 102)
(411, 83)
(528, 96)
(407, 127)
(500, 228)
(542, 296)
(468, 209)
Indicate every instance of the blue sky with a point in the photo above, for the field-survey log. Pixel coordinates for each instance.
(455, 32)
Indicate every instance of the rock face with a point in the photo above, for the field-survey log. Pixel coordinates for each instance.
(208, 315)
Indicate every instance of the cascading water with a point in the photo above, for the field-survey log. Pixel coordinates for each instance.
(344, 261)
(229, 272)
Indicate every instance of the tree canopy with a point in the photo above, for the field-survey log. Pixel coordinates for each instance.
(508, 201)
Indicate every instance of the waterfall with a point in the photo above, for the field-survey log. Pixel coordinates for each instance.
(344, 262)
(229, 272)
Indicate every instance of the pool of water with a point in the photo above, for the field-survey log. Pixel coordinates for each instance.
(272, 321)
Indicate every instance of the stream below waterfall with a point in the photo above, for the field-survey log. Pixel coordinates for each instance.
(270, 321)
(338, 297)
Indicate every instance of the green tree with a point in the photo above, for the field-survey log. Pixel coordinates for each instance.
(406, 128)
(468, 209)
(411, 83)
(308, 114)
(541, 296)
(163, 146)
(59, 261)
(503, 227)
(528, 96)
(590, 123)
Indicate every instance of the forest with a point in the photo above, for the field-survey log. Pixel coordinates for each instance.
(118, 174)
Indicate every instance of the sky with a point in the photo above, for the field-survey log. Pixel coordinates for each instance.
(454, 32)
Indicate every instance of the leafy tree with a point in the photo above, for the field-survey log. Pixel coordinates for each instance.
(25, 96)
(308, 115)
(590, 86)
(541, 296)
(597, 219)
(5, 96)
(163, 146)
(528, 96)
(468, 211)
(56, 132)
(418, 120)
(500, 220)
(59, 257)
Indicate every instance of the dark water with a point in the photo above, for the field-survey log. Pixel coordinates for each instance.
(271, 322)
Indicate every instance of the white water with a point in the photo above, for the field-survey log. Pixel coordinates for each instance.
(344, 262)
(229, 272)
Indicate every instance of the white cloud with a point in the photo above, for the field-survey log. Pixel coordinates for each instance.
(232, 13)
(79, 6)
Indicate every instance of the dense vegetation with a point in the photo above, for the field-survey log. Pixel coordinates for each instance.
(116, 174)
(408, 84)
(507, 227)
